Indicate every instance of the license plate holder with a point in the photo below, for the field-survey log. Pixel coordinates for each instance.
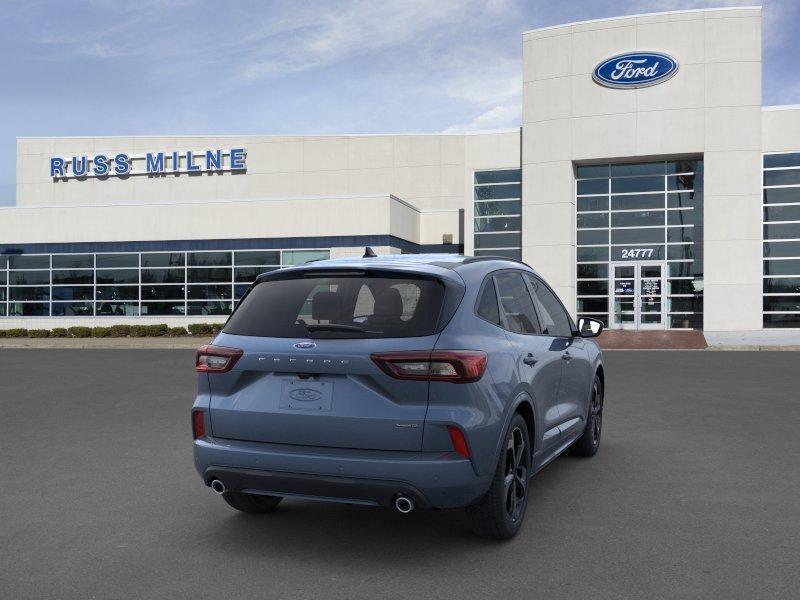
(306, 395)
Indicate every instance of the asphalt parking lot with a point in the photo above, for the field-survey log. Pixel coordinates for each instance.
(695, 494)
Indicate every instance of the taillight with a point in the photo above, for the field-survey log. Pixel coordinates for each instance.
(198, 424)
(216, 359)
(459, 441)
(456, 366)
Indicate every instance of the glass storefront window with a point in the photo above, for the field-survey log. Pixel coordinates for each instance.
(249, 274)
(782, 267)
(73, 261)
(163, 259)
(115, 261)
(299, 257)
(497, 210)
(209, 275)
(29, 293)
(209, 259)
(65, 277)
(498, 192)
(117, 292)
(118, 309)
(258, 257)
(29, 278)
(209, 292)
(781, 287)
(72, 309)
(163, 276)
(592, 220)
(498, 176)
(650, 212)
(84, 292)
(593, 236)
(638, 218)
(592, 203)
(132, 283)
(24, 261)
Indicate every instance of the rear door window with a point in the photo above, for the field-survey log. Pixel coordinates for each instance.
(516, 307)
(555, 320)
(333, 306)
(487, 303)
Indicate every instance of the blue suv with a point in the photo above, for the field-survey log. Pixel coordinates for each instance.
(401, 381)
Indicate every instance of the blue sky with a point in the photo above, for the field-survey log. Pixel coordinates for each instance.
(105, 67)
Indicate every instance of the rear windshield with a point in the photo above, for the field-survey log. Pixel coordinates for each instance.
(357, 306)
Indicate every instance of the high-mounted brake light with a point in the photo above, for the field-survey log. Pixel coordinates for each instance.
(456, 366)
(198, 424)
(216, 359)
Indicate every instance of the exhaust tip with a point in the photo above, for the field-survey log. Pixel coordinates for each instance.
(403, 504)
(218, 487)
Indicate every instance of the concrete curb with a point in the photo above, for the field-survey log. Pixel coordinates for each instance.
(756, 347)
(718, 348)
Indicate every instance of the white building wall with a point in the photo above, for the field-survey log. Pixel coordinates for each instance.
(781, 128)
(712, 107)
(237, 219)
(431, 172)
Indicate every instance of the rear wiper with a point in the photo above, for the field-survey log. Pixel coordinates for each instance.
(337, 327)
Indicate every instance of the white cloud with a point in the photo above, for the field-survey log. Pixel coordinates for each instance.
(497, 117)
(331, 34)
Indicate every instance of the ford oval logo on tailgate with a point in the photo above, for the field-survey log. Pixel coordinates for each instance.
(305, 395)
(305, 345)
(635, 70)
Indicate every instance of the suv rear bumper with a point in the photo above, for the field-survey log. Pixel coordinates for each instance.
(431, 479)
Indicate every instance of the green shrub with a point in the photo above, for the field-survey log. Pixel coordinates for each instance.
(80, 332)
(199, 328)
(38, 333)
(138, 330)
(120, 330)
(157, 330)
(101, 332)
(177, 331)
(16, 332)
(205, 328)
(2, 333)
(59, 332)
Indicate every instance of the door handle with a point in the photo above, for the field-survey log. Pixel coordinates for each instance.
(566, 355)
(529, 360)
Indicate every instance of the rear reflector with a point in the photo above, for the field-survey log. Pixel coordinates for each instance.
(459, 442)
(216, 359)
(198, 424)
(456, 366)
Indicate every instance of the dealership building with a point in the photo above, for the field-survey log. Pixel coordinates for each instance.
(647, 184)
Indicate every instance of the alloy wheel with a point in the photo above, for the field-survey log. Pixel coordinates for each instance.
(515, 482)
(596, 413)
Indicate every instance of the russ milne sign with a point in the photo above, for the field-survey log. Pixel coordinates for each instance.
(635, 70)
(150, 163)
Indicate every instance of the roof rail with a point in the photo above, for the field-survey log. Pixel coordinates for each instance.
(472, 259)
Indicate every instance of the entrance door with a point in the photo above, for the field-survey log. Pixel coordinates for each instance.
(637, 295)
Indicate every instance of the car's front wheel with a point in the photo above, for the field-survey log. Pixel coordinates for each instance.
(251, 503)
(499, 514)
(589, 442)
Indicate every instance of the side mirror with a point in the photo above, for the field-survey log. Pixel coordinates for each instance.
(589, 328)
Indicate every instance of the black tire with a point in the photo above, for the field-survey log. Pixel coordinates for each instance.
(499, 514)
(589, 442)
(252, 503)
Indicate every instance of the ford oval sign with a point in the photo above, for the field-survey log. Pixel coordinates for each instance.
(305, 345)
(635, 70)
